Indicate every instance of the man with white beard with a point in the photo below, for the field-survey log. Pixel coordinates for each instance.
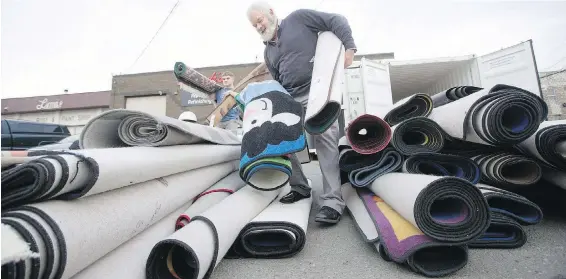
(290, 46)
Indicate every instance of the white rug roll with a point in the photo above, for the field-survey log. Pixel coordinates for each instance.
(128, 260)
(86, 229)
(500, 115)
(548, 144)
(359, 213)
(327, 84)
(447, 209)
(14, 246)
(415, 105)
(196, 249)
(279, 231)
(122, 127)
(213, 195)
(91, 171)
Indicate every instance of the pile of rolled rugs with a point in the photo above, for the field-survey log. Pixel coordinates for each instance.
(149, 196)
(432, 176)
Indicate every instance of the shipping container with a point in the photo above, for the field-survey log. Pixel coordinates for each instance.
(370, 86)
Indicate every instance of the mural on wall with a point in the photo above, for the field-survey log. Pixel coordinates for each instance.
(193, 97)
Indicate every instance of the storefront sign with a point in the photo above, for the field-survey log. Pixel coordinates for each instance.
(46, 104)
(194, 98)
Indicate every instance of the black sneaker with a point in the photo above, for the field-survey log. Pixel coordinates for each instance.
(327, 215)
(293, 196)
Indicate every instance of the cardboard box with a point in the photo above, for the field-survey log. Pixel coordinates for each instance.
(226, 105)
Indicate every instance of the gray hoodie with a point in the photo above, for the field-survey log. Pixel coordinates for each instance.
(290, 58)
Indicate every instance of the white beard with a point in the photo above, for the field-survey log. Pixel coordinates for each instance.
(270, 31)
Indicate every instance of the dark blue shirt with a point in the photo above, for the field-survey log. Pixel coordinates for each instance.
(290, 58)
(233, 113)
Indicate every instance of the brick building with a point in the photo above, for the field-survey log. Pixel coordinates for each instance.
(553, 86)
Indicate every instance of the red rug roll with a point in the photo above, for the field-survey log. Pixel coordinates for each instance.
(368, 134)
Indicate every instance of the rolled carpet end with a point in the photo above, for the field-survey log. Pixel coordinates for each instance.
(368, 134)
(508, 170)
(512, 205)
(447, 209)
(453, 94)
(267, 174)
(189, 75)
(443, 165)
(416, 105)
(548, 144)
(503, 233)
(385, 161)
(417, 135)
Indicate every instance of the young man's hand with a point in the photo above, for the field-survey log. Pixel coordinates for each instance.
(349, 58)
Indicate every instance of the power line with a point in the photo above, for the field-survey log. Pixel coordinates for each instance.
(155, 35)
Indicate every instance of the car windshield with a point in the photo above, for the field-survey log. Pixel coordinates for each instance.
(69, 139)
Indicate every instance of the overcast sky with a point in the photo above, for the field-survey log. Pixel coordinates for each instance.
(48, 46)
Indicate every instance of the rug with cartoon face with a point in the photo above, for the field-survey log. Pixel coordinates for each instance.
(273, 129)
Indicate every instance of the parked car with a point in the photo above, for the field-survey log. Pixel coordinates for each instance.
(68, 143)
(23, 135)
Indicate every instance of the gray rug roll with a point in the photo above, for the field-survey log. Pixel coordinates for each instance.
(417, 135)
(81, 173)
(512, 205)
(416, 105)
(447, 209)
(77, 233)
(196, 249)
(122, 127)
(279, 231)
(128, 260)
(453, 94)
(500, 115)
(508, 170)
(443, 165)
(548, 144)
(503, 233)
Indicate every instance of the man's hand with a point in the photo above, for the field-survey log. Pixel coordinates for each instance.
(349, 58)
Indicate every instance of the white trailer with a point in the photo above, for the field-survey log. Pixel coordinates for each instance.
(373, 84)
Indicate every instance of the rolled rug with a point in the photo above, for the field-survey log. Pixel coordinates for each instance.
(122, 127)
(447, 209)
(327, 83)
(500, 115)
(368, 134)
(443, 165)
(555, 177)
(503, 233)
(213, 195)
(512, 205)
(385, 161)
(80, 173)
(548, 144)
(196, 249)
(272, 130)
(508, 170)
(128, 260)
(79, 232)
(419, 104)
(398, 240)
(453, 94)
(279, 231)
(15, 247)
(11, 158)
(189, 75)
(417, 135)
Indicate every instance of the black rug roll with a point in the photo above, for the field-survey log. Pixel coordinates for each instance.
(413, 106)
(453, 94)
(548, 144)
(503, 233)
(508, 170)
(443, 165)
(417, 135)
(512, 205)
(364, 169)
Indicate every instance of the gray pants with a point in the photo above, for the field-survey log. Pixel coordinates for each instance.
(231, 125)
(326, 145)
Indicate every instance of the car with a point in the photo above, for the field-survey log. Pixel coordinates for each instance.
(23, 135)
(68, 143)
